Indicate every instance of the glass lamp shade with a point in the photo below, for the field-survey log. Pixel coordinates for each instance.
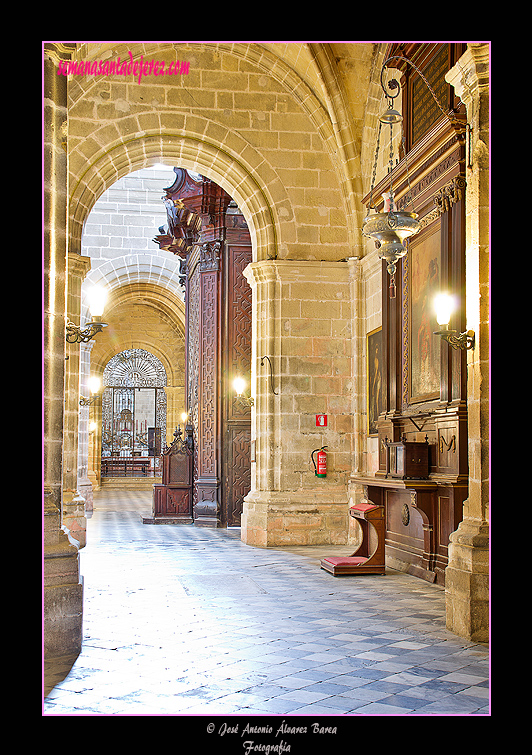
(97, 300)
(239, 384)
(444, 306)
(94, 385)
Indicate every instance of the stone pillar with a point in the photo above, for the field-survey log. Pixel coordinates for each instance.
(359, 399)
(63, 590)
(302, 322)
(85, 483)
(466, 576)
(73, 502)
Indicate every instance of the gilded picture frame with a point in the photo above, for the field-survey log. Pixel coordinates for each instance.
(375, 379)
(424, 282)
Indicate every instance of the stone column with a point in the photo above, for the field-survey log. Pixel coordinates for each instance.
(85, 483)
(63, 590)
(467, 577)
(73, 502)
(359, 399)
(302, 322)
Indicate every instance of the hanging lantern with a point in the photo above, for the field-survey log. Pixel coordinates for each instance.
(391, 228)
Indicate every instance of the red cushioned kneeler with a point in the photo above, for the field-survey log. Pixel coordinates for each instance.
(369, 558)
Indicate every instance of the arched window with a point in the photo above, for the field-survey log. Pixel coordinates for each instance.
(133, 414)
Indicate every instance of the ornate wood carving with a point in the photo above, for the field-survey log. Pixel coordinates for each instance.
(237, 360)
(425, 395)
(209, 234)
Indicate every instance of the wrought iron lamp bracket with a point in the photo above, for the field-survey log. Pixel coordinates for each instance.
(275, 393)
(78, 334)
(88, 401)
(462, 341)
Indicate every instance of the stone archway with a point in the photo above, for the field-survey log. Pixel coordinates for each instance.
(225, 167)
(272, 145)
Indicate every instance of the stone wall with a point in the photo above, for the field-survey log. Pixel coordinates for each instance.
(240, 116)
(302, 320)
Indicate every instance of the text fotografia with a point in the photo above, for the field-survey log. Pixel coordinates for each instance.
(126, 67)
(251, 746)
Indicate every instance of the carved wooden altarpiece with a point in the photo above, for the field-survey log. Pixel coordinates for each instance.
(209, 234)
(424, 378)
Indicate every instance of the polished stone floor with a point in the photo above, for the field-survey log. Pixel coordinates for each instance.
(184, 621)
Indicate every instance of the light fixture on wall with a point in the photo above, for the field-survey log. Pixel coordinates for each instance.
(94, 387)
(239, 384)
(391, 228)
(445, 305)
(77, 334)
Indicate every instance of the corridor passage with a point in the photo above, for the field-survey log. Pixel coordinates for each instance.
(185, 621)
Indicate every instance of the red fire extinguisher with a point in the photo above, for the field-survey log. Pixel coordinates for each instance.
(320, 469)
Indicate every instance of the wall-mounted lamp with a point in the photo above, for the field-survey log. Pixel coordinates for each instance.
(239, 384)
(444, 304)
(94, 387)
(78, 334)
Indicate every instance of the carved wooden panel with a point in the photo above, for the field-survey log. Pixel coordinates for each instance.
(237, 360)
(425, 380)
(218, 313)
(178, 501)
(238, 318)
(207, 425)
(239, 473)
(193, 351)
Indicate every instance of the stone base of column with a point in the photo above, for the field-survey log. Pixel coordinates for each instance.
(467, 581)
(63, 590)
(74, 518)
(311, 517)
(85, 491)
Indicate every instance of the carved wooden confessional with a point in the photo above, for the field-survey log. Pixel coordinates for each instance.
(423, 380)
(209, 234)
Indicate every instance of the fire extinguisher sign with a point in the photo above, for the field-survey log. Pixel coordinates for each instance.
(321, 420)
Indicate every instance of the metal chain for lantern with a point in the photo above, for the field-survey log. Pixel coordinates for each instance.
(391, 228)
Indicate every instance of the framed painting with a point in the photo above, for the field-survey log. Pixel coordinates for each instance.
(424, 282)
(375, 379)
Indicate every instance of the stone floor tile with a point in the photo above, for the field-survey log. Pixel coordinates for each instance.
(407, 679)
(303, 696)
(277, 706)
(319, 709)
(380, 709)
(159, 640)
